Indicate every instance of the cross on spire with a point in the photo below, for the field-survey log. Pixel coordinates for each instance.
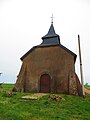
(52, 19)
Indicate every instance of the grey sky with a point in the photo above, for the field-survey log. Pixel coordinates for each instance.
(24, 22)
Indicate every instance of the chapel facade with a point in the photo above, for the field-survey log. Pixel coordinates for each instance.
(49, 68)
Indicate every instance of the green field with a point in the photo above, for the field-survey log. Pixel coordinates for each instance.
(87, 86)
(14, 108)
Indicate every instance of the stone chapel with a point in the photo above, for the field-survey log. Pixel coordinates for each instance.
(49, 68)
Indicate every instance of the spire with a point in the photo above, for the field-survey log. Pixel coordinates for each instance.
(51, 31)
(51, 38)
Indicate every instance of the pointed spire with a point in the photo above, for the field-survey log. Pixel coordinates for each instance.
(51, 30)
(51, 38)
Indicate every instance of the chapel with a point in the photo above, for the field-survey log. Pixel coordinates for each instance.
(49, 68)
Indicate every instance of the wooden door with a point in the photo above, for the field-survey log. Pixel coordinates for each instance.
(45, 83)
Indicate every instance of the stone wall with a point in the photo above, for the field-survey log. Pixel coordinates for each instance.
(75, 87)
(52, 60)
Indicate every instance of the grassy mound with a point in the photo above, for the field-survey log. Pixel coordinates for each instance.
(71, 108)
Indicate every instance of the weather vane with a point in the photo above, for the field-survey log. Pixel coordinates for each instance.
(52, 19)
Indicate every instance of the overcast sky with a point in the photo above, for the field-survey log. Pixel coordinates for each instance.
(24, 22)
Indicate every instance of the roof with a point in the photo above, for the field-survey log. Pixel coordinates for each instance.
(51, 33)
(50, 39)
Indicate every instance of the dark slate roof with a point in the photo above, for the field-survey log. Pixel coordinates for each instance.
(66, 49)
(51, 33)
(51, 38)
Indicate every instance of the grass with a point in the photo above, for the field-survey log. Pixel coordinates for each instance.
(87, 86)
(13, 108)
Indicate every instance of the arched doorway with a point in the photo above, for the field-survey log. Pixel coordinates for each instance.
(45, 80)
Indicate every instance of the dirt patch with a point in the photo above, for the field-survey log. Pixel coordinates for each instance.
(39, 94)
(34, 96)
